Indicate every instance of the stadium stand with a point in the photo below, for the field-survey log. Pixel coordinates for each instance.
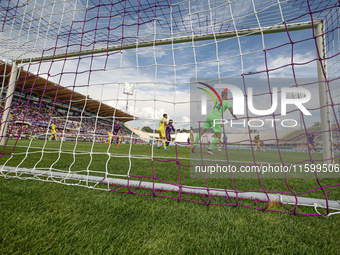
(32, 111)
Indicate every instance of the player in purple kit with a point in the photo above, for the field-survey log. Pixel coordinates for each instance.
(168, 130)
(311, 142)
(116, 132)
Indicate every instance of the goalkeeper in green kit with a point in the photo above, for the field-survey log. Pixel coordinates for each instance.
(215, 114)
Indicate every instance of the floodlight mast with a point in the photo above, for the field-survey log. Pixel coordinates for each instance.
(128, 90)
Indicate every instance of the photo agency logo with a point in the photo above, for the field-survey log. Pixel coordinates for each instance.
(239, 99)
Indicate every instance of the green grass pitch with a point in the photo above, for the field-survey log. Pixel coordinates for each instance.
(47, 218)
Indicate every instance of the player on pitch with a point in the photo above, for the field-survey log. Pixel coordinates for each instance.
(168, 130)
(311, 142)
(54, 132)
(215, 114)
(161, 131)
(258, 143)
(116, 132)
(109, 135)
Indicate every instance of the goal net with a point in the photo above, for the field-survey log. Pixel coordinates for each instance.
(215, 102)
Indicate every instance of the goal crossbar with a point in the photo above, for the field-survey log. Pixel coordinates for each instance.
(184, 39)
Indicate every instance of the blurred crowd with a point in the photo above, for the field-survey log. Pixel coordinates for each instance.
(31, 119)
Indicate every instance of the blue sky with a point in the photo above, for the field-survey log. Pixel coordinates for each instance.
(161, 74)
(164, 73)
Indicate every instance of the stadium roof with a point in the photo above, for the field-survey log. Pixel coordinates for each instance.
(28, 83)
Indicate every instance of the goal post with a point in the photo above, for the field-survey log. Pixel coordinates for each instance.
(325, 109)
(7, 106)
